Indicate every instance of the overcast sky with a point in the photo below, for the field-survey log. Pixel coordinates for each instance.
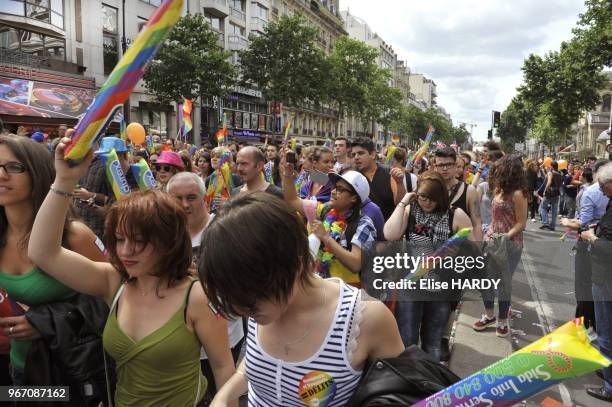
(472, 49)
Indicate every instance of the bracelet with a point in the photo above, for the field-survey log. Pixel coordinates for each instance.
(401, 204)
(61, 193)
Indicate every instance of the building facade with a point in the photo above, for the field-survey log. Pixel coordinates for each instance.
(590, 131)
(424, 89)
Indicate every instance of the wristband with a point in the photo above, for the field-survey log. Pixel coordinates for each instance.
(401, 204)
(61, 193)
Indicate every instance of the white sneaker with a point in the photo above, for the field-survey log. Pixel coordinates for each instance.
(533, 219)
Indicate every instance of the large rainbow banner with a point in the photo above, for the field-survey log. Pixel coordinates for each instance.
(564, 353)
(122, 80)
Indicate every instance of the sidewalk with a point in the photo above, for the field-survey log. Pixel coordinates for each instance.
(472, 350)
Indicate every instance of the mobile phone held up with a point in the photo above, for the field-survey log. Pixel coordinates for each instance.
(292, 159)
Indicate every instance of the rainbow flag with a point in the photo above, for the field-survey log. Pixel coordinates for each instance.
(422, 150)
(390, 151)
(287, 128)
(187, 124)
(180, 120)
(221, 182)
(122, 80)
(222, 132)
(122, 131)
(395, 139)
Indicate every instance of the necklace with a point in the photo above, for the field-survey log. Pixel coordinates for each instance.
(286, 345)
(144, 293)
(335, 224)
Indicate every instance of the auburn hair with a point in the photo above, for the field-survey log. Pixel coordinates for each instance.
(151, 217)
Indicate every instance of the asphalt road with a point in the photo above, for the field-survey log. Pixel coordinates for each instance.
(542, 300)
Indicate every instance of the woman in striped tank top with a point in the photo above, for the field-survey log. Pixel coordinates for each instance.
(309, 338)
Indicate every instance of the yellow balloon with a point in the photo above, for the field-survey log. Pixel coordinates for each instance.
(562, 164)
(136, 133)
(548, 162)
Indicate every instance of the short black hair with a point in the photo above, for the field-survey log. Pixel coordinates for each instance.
(446, 152)
(555, 165)
(240, 263)
(365, 143)
(492, 145)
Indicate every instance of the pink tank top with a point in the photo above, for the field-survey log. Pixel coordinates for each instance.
(503, 218)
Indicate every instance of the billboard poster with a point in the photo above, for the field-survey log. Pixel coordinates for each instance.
(21, 97)
(254, 121)
(246, 120)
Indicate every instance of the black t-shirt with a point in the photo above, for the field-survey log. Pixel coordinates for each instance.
(570, 190)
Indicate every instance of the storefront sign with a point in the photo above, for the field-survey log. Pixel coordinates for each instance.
(245, 91)
(246, 133)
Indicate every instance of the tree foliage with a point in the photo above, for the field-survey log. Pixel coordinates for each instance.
(558, 87)
(285, 62)
(190, 63)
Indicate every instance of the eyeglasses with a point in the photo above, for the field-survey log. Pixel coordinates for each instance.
(14, 168)
(167, 168)
(340, 190)
(446, 165)
(424, 198)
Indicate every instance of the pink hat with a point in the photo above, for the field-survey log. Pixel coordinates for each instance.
(170, 158)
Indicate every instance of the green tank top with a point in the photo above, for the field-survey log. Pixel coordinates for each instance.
(162, 369)
(32, 288)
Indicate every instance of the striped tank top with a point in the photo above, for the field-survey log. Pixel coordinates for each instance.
(325, 379)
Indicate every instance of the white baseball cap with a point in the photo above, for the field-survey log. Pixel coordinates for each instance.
(356, 180)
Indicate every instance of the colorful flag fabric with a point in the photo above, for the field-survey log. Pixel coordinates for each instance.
(187, 124)
(122, 132)
(180, 120)
(395, 139)
(122, 80)
(420, 153)
(220, 184)
(287, 128)
(390, 152)
(440, 144)
(222, 132)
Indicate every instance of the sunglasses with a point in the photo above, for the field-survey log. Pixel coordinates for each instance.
(14, 168)
(167, 168)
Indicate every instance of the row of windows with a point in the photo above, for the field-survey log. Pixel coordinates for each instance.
(48, 11)
(32, 43)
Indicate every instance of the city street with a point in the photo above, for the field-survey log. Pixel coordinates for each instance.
(542, 300)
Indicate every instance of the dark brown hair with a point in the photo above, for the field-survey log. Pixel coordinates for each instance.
(255, 248)
(152, 217)
(509, 175)
(39, 166)
(432, 184)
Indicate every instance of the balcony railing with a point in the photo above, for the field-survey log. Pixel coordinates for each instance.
(217, 6)
(237, 42)
(238, 15)
(8, 56)
(258, 24)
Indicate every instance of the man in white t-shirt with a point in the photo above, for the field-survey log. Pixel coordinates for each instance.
(188, 188)
(342, 153)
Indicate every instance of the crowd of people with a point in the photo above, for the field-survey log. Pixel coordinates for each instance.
(242, 272)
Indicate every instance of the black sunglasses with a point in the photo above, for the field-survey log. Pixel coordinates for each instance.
(167, 168)
(14, 168)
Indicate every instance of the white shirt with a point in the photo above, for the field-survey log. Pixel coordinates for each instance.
(235, 331)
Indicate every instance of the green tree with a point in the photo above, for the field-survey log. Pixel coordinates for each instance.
(286, 63)
(511, 128)
(593, 34)
(382, 100)
(352, 68)
(544, 128)
(190, 63)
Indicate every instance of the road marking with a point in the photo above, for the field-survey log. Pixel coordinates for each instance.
(543, 310)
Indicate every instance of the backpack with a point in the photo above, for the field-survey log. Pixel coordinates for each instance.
(402, 381)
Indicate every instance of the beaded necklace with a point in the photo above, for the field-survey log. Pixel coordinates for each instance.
(335, 225)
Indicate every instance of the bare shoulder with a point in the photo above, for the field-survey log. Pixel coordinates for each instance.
(198, 301)
(376, 316)
(84, 241)
(518, 196)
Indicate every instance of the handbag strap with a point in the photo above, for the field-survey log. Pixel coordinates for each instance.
(112, 307)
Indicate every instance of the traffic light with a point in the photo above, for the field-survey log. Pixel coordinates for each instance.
(496, 118)
(490, 134)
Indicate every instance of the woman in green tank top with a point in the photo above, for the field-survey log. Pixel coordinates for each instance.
(26, 172)
(159, 317)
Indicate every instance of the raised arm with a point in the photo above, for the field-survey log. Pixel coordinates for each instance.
(396, 225)
(288, 174)
(45, 250)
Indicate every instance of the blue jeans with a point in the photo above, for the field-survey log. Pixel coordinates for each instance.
(554, 204)
(488, 296)
(425, 320)
(602, 295)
